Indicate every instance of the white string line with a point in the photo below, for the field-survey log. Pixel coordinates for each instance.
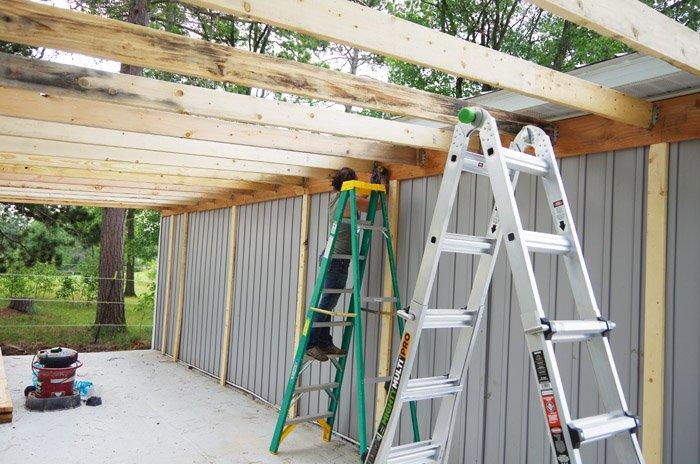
(47, 300)
(44, 276)
(70, 325)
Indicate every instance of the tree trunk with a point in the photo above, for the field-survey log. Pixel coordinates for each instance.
(110, 294)
(23, 305)
(111, 289)
(129, 286)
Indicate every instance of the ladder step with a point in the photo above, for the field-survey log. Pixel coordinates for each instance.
(594, 428)
(431, 387)
(448, 318)
(539, 242)
(342, 256)
(379, 299)
(414, 453)
(309, 418)
(574, 331)
(332, 324)
(319, 387)
(337, 290)
(456, 243)
(523, 162)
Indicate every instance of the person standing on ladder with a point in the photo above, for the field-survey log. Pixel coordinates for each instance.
(320, 343)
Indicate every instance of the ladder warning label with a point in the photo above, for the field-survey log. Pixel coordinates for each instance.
(540, 367)
(390, 399)
(551, 412)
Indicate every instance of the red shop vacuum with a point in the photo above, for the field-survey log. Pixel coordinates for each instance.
(54, 370)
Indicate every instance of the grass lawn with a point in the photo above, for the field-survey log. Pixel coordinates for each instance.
(59, 324)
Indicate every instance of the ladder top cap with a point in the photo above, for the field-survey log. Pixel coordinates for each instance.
(362, 187)
(467, 115)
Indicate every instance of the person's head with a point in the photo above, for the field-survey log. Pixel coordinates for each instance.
(380, 175)
(342, 175)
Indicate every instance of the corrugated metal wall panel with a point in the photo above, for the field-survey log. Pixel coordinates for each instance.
(501, 420)
(205, 290)
(172, 221)
(683, 314)
(265, 297)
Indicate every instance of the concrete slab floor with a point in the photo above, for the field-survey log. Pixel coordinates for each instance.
(154, 411)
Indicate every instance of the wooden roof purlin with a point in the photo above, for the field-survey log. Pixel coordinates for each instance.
(80, 136)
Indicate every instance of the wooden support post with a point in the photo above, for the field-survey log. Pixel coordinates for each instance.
(5, 398)
(386, 332)
(301, 281)
(655, 304)
(230, 284)
(168, 286)
(182, 268)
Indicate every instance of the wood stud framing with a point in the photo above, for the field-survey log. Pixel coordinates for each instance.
(169, 259)
(655, 303)
(182, 272)
(230, 284)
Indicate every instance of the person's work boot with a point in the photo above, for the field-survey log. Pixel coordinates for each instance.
(334, 351)
(319, 354)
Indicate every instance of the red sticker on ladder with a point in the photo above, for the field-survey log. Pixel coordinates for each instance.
(550, 410)
(558, 203)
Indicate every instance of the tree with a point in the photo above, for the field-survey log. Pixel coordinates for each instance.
(130, 252)
(110, 294)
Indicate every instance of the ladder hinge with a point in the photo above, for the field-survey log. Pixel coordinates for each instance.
(607, 323)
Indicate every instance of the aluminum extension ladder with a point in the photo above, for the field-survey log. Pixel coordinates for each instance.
(502, 166)
(350, 321)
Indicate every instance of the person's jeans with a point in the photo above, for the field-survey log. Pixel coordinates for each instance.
(337, 277)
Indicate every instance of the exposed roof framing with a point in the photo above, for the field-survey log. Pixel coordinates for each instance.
(44, 26)
(362, 27)
(635, 24)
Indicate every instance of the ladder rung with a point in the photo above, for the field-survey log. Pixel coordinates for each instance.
(431, 387)
(322, 386)
(594, 428)
(332, 324)
(414, 453)
(457, 243)
(377, 379)
(309, 418)
(337, 290)
(448, 318)
(474, 163)
(332, 313)
(575, 331)
(342, 256)
(539, 242)
(379, 299)
(525, 163)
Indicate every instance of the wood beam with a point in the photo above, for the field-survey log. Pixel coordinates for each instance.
(94, 184)
(56, 80)
(168, 286)
(126, 178)
(230, 284)
(5, 397)
(679, 119)
(91, 202)
(656, 225)
(636, 25)
(61, 154)
(182, 270)
(95, 143)
(30, 104)
(300, 313)
(34, 24)
(124, 192)
(358, 26)
(57, 196)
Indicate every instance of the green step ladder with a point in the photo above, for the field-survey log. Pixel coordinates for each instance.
(351, 320)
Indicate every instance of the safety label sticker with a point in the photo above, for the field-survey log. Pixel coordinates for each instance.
(551, 412)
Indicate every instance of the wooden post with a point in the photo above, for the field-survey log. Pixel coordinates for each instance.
(168, 286)
(301, 281)
(182, 268)
(5, 398)
(386, 332)
(655, 304)
(230, 284)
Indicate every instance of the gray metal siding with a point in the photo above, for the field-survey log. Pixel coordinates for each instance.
(204, 305)
(683, 308)
(265, 297)
(166, 223)
(501, 420)
(160, 282)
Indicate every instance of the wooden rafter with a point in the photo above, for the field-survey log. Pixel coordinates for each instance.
(368, 29)
(57, 164)
(158, 149)
(635, 24)
(31, 104)
(55, 80)
(34, 24)
(92, 201)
